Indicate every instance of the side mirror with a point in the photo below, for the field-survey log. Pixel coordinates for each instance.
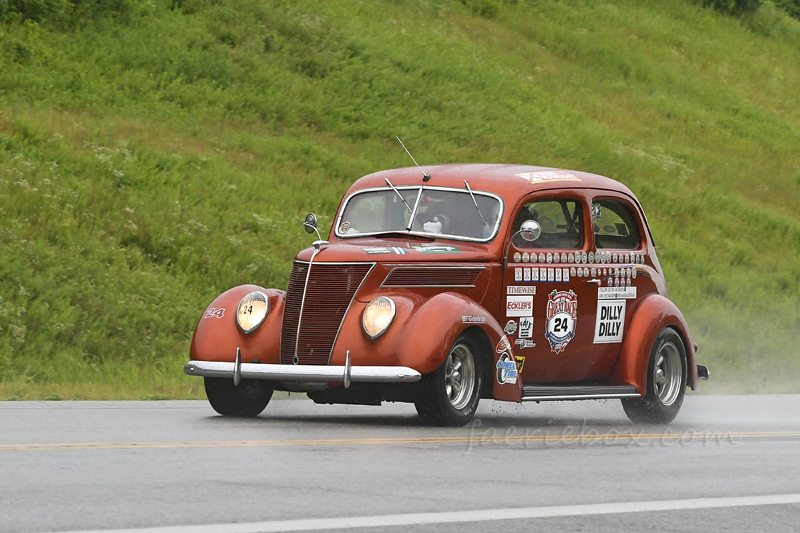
(310, 224)
(530, 230)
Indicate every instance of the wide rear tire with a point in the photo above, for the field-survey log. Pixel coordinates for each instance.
(449, 396)
(666, 382)
(248, 399)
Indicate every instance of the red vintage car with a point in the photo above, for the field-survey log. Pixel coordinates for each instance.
(460, 282)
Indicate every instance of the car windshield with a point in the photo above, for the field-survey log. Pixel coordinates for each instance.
(438, 212)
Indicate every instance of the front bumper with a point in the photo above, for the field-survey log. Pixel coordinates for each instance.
(302, 373)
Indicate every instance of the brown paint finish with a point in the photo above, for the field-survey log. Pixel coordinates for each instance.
(439, 296)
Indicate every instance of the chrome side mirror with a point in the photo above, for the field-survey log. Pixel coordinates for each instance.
(310, 224)
(530, 230)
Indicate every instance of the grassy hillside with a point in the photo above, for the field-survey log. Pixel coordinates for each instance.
(152, 160)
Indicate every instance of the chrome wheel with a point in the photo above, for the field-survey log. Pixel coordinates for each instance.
(668, 373)
(459, 376)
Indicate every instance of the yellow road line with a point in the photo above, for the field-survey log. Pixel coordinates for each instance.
(497, 437)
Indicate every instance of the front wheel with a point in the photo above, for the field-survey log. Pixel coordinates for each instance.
(449, 396)
(666, 382)
(247, 399)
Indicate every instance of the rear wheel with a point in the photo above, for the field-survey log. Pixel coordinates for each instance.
(449, 396)
(666, 382)
(248, 399)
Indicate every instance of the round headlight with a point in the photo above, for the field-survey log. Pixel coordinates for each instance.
(252, 311)
(378, 316)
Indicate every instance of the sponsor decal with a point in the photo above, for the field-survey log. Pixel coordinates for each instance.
(506, 369)
(548, 175)
(344, 227)
(517, 275)
(372, 250)
(520, 363)
(504, 345)
(214, 313)
(519, 306)
(526, 275)
(525, 327)
(469, 319)
(551, 275)
(542, 275)
(558, 275)
(524, 343)
(511, 327)
(562, 316)
(521, 289)
(526, 258)
(565, 276)
(610, 317)
(437, 249)
(534, 274)
(549, 258)
(517, 257)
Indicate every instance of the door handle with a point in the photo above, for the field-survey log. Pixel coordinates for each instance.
(598, 281)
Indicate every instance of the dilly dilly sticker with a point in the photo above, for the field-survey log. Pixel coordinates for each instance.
(562, 316)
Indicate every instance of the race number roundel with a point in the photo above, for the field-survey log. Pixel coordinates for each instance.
(562, 315)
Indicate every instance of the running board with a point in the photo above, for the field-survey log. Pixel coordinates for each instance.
(539, 393)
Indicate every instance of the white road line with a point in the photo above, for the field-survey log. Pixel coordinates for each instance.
(314, 524)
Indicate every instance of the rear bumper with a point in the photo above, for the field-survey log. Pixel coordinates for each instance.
(301, 373)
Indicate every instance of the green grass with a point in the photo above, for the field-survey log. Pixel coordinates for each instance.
(151, 162)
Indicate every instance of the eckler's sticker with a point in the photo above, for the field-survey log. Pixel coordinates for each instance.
(524, 343)
(506, 369)
(437, 249)
(519, 306)
(521, 289)
(548, 175)
(562, 316)
(525, 327)
(616, 293)
(511, 327)
(372, 250)
(610, 317)
(469, 319)
(520, 363)
(504, 345)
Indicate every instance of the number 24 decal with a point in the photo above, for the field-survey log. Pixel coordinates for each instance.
(561, 324)
(214, 313)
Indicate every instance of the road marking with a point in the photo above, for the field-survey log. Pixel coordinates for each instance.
(471, 439)
(497, 437)
(314, 524)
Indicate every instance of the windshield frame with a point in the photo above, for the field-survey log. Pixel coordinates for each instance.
(421, 189)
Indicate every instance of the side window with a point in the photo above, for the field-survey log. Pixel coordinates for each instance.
(561, 222)
(614, 226)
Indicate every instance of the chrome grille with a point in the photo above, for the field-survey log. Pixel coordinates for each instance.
(432, 277)
(330, 290)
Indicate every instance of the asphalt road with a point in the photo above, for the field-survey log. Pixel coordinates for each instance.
(726, 463)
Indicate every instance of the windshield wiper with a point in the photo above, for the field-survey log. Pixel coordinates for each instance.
(389, 183)
(475, 202)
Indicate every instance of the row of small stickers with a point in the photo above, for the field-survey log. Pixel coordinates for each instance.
(580, 257)
(563, 275)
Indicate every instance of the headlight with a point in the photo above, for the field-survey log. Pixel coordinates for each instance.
(378, 316)
(252, 311)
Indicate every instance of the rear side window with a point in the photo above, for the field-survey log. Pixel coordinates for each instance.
(615, 227)
(561, 222)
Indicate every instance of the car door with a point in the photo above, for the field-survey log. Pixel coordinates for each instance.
(550, 296)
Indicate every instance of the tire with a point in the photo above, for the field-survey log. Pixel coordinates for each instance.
(666, 382)
(449, 396)
(247, 400)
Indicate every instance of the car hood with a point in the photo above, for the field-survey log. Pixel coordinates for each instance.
(399, 250)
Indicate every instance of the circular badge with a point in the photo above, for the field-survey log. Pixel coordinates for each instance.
(549, 258)
(583, 257)
(526, 257)
(533, 258)
(517, 257)
(591, 257)
(541, 258)
(344, 227)
(614, 258)
(571, 258)
(633, 274)
(572, 272)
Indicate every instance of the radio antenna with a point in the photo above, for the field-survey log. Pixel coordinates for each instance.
(425, 177)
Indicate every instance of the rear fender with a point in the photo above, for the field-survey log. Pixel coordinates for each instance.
(217, 335)
(653, 314)
(422, 334)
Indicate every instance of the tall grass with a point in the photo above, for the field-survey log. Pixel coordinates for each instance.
(149, 162)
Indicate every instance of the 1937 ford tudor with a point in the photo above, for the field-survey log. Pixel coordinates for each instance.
(439, 288)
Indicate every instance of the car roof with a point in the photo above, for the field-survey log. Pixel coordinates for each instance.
(506, 180)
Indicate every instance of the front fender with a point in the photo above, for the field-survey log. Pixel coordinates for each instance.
(217, 336)
(421, 336)
(653, 314)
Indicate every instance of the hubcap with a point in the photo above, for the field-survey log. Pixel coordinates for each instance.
(668, 373)
(459, 376)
